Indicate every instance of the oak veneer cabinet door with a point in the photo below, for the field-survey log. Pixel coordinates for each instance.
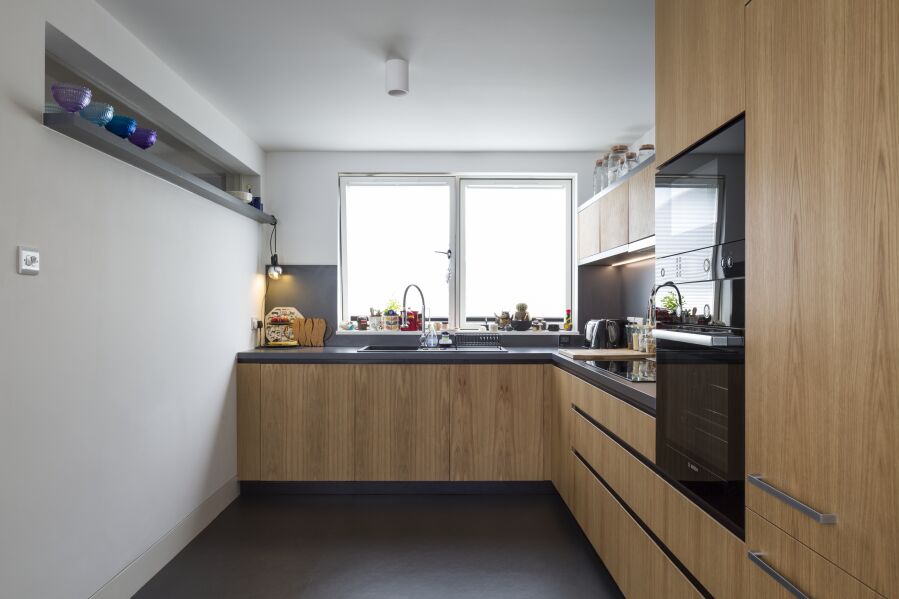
(639, 566)
(561, 461)
(641, 205)
(402, 422)
(800, 566)
(249, 393)
(613, 210)
(307, 422)
(822, 236)
(497, 422)
(699, 70)
(588, 231)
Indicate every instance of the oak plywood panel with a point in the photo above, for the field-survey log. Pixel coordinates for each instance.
(822, 233)
(714, 555)
(613, 211)
(641, 205)
(497, 422)
(588, 231)
(634, 427)
(637, 564)
(699, 70)
(307, 422)
(402, 422)
(249, 391)
(808, 571)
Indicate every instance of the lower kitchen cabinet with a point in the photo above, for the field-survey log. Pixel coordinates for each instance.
(402, 422)
(780, 562)
(249, 398)
(497, 422)
(714, 555)
(560, 463)
(306, 422)
(639, 566)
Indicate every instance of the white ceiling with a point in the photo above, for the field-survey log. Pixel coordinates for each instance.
(486, 75)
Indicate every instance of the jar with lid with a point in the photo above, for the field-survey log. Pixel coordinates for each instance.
(599, 176)
(622, 167)
(631, 158)
(618, 152)
(645, 152)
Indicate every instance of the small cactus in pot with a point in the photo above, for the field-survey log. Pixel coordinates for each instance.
(521, 312)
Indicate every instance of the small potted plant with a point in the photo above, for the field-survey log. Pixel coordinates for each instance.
(522, 320)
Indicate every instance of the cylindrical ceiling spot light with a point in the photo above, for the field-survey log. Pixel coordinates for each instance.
(397, 77)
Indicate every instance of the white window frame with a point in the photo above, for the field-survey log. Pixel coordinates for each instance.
(456, 238)
(531, 182)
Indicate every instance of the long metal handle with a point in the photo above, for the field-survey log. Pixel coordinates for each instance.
(756, 558)
(699, 339)
(757, 481)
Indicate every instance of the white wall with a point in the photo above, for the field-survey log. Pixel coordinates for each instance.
(301, 187)
(117, 385)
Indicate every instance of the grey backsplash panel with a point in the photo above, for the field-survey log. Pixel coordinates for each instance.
(310, 289)
(637, 280)
(614, 291)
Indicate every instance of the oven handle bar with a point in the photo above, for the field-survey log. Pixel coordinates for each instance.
(758, 481)
(699, 339)
(756, 558)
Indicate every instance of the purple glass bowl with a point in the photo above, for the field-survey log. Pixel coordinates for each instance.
(70, 96)
(143, 138)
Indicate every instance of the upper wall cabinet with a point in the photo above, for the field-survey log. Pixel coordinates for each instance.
(699, 70)
(822, 415)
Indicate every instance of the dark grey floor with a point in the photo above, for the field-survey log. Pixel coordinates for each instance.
(390, 547)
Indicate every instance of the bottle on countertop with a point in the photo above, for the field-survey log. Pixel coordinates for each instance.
(566, 324)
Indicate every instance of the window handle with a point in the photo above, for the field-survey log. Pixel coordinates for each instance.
(447, 253)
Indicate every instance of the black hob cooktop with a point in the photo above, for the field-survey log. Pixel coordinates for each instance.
(636, 371)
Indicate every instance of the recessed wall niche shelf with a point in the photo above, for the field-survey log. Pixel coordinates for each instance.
(76, 127)
(183, 155)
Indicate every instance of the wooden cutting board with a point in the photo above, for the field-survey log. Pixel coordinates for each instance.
(603, 354)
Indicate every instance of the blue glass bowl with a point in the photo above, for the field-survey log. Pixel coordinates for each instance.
(121, 125)
(98, 113)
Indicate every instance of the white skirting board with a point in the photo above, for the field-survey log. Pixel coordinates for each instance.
(136, 574)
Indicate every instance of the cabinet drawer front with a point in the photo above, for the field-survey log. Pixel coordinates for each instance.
(785, 558)
(710, 552)
(640, 568)
(636, 428)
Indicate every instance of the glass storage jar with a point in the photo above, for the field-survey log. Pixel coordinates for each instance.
(645, 152)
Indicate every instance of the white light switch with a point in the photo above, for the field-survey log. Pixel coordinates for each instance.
(29, 261)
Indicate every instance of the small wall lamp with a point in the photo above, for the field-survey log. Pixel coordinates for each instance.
(274, 269)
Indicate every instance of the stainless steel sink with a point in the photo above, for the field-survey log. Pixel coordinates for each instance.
(408, 348)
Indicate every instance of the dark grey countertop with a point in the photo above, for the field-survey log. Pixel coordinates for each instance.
(640, 395)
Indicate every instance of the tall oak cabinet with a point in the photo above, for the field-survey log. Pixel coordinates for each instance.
(822, 340)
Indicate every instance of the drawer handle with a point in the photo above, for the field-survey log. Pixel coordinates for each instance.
(758, 481)
(756, 558)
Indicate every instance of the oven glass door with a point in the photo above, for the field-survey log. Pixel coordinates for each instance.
(700, 423)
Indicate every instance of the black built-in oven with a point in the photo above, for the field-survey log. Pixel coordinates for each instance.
(700, 249)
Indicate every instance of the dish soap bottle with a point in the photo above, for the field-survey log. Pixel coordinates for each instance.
(566, 324)
(431, 338)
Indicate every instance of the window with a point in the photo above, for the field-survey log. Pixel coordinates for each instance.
(475, 246)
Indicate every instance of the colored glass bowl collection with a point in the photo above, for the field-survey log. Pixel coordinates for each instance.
(77, 98)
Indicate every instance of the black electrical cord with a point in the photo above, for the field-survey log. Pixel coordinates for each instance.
(274, 236)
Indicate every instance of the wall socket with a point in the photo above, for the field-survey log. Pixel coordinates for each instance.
(28, 261)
